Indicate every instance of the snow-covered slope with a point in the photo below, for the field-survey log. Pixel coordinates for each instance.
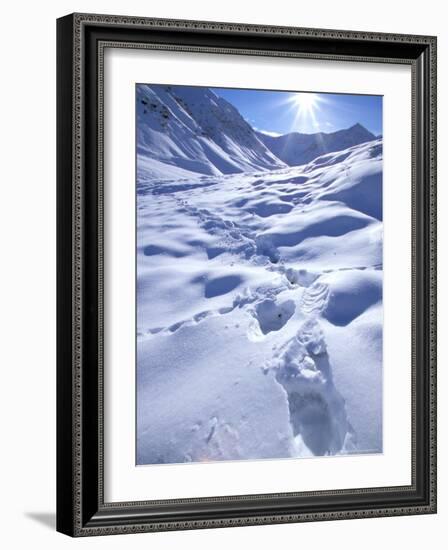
(295, 149)
(257, 295)
(191, 129)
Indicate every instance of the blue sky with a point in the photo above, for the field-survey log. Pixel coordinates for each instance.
(282, 112)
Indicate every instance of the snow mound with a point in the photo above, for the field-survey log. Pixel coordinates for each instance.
(350, 294)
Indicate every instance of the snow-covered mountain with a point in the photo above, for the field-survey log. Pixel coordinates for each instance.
(295, 149)
(190, 129)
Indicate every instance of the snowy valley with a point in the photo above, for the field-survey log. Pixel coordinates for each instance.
(259, 286)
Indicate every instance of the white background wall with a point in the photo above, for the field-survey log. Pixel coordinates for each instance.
(27, 272)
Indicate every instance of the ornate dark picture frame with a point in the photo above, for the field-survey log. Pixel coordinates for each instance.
(81, 509)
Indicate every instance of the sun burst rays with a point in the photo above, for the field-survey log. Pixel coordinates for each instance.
(305, 106)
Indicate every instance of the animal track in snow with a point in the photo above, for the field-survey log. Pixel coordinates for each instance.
(315, 298)
(197, 318)
(273, 316)
(301, 277)
(241, 300)
(266, 247)
(229, 237)
(317, 410)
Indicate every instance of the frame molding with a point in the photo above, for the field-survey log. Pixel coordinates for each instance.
(81, 39)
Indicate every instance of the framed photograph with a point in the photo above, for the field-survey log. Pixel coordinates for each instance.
(246, 274)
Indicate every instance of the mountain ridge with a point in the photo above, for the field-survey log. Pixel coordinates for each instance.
(195, 130)
(297, 148)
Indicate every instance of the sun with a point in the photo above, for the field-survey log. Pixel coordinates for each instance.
(305, 110)
(306, 103)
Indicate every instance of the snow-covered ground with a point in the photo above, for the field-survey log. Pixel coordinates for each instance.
(259, 308)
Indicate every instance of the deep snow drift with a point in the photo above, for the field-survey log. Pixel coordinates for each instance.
(259, 296)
